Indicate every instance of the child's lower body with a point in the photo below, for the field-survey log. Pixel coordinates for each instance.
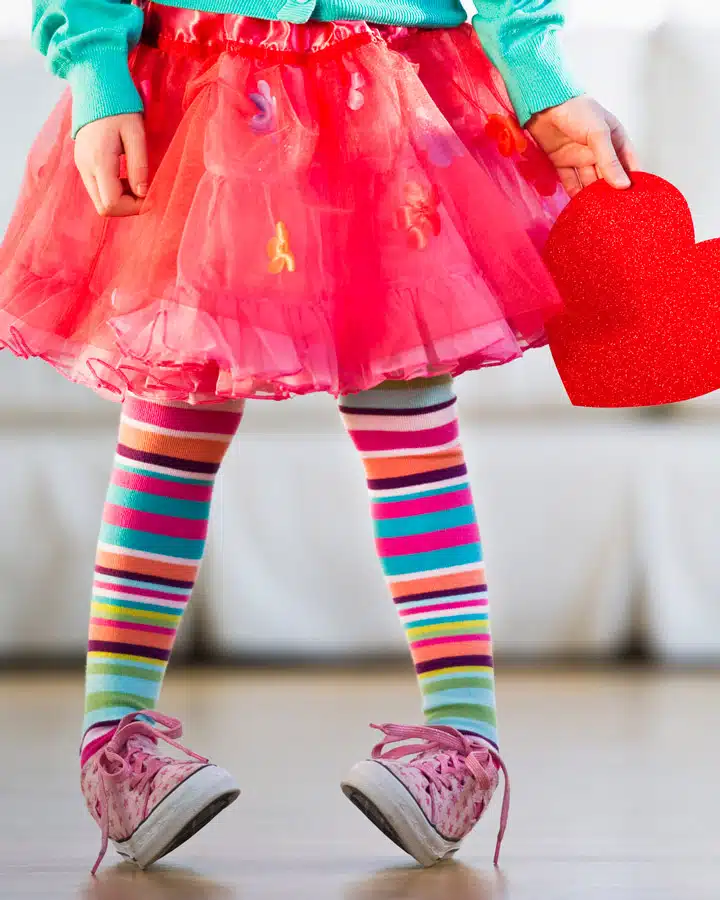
(426, 797)
(334, 207)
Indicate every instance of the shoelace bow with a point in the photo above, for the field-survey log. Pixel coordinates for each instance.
(453, 753)
(122, 760)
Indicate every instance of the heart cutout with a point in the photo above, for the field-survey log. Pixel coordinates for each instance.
(641, 320)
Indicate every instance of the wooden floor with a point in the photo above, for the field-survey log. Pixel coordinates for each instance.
(616, 792)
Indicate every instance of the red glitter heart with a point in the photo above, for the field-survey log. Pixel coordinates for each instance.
(641, 323)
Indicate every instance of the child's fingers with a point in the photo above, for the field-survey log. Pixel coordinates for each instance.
(113, 199)
(133, 139)
(573, 156)
(91, 187)
(108, 181)
(99, 149)
(626, 152)
(588, 175)
(127, 205)
(606, 159)
(570, 181)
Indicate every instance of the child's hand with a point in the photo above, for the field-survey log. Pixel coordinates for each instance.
(98, 148)
(585, 142)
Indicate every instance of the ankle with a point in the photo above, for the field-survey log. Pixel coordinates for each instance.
(94, 739)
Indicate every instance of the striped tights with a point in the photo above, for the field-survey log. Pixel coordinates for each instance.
(155, 525)
(152, 540)
(429, 545)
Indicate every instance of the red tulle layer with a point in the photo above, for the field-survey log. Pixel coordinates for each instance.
(332, 205)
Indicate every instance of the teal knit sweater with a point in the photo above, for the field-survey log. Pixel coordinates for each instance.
(87, 42)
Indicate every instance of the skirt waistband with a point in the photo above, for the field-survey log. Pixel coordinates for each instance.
(205, 34)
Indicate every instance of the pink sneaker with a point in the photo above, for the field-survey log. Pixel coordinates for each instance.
(147, 804)
(427, 804)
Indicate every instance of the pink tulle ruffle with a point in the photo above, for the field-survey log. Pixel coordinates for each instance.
(331, 206)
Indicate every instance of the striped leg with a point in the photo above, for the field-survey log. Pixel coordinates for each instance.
(151, 544)
(429, 545)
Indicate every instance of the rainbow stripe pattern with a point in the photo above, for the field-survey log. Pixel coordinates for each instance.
(429, 545)
(152, 541)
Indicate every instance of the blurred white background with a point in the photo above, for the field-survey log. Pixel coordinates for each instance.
(600, 528)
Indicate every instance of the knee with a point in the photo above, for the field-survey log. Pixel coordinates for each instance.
(416, 383)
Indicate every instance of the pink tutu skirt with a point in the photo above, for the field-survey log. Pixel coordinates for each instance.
(332, 205)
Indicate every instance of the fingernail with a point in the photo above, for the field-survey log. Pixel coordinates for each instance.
(142, 189)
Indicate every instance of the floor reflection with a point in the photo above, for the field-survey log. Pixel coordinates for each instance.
(447, 881)
(125, 882)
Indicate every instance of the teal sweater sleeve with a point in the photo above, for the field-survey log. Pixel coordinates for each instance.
(87, 43)
(521, 37)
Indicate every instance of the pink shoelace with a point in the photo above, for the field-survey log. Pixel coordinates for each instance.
(127, 757)
(445, 754)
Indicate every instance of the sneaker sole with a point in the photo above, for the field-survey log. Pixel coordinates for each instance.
(180, 815)
(385, 800)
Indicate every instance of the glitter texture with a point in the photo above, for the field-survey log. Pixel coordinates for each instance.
(641, 323)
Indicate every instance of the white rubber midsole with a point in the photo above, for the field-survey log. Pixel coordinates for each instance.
(402, 811)
(173, 813)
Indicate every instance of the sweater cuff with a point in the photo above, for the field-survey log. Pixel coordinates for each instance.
(102, 86)
(535, 74)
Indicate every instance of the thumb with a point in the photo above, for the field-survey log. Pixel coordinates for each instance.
(133, 138)
(606, 158)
